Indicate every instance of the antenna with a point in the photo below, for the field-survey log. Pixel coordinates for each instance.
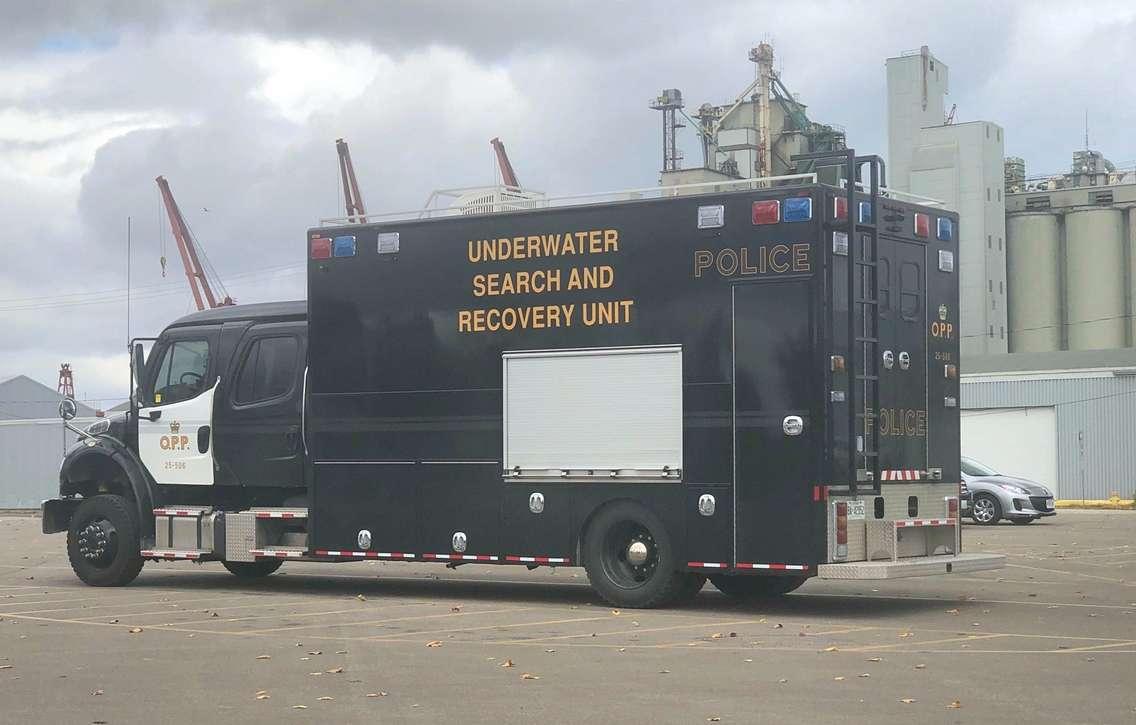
(1086, 129)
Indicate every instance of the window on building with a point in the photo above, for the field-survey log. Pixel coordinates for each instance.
(1002, 332)
(999, 244)
(990, 285)
(268, 370)
(988, 132)
(989, 240)
(992, 331)
(998, 194)
(999, 286)
(999, 134)
(988, 193)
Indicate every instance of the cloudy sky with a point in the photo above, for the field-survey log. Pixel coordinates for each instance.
(238, 105)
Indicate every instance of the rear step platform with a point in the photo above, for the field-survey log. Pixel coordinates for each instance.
(917, 566)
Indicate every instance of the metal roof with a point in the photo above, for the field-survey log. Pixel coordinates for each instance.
(291, 310)
(22, 398)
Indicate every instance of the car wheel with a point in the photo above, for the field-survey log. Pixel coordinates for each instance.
(755, 587)
(986, 510)
(102, 542)
(252, 569)
(630, 559)
(1023, 522)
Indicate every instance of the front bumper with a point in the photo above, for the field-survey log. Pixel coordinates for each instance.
(56, 514)
(1032, 507)
(916, 566)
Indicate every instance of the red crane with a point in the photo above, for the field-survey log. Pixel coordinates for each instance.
(194, 271)
(353, 200)
(508, 176)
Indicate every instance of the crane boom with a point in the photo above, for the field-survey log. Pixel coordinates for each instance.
(508, 176)
(194, 272)
(353, 200)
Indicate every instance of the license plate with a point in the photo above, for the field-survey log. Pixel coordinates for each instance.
(1048, 503)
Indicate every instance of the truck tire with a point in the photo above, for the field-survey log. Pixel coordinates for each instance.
(252, 569)
(102, 542)
(630, 559)
(985, 509)
(748, 588)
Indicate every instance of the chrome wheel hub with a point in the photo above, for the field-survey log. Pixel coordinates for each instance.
(98, 541)
(983, 510)
(637, 553)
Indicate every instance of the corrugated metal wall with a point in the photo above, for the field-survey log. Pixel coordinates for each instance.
(30, 454)
(1096, 425)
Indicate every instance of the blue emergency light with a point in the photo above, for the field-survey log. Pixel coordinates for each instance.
(865, 211)
(945, 230)
(343, 246)
(797, 209)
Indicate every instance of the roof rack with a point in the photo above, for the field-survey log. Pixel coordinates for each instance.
(887, 193)
(509, 198)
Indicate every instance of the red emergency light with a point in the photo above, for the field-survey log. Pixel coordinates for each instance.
(321, 248)
(922, 225)
(840, 208)
(767, 212)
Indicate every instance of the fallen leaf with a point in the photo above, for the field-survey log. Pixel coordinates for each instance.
(622, 649)
(778, 626)
(325, 698)
(299, 707)
(615, 612)
(214, 614)
(341, 652)
(838, 678)
(434, 643)
(732, 634)
(954, 705)
(507, 663)
(360, 597)
(262, 695)
(716, 635)
(455, 609)
(782, 680)
(305, 659)
(908, 700)
(830, 649)
(114, 621)
(905, 635)
(529, 676)
(5, 667)
(97, 692)
(135, 630)
(875, 659)
(952, 611)
(713, 718)
(335, 670)
(920, 666)
(549, 651)
(748, 660)
(664, 672)
(376, 694)
(315, 674)
(264, 657)
(864, 674)
(316, 652)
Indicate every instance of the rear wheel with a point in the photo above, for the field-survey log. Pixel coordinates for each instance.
(986, 510)
(252, 569)
(102, 542)
(755, 587)
(630, 559)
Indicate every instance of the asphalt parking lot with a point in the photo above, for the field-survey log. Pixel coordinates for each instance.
(1050, 638)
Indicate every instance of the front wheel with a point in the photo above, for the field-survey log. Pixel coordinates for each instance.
(252, 569)
(102, 542)
(986, 510)
(755, 587)
(630, 559)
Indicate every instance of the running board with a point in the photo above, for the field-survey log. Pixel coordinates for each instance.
(919, 566)
(171, 554)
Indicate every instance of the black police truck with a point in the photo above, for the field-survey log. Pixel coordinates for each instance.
(752, 382)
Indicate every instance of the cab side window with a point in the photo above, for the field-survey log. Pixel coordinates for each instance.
(181, 373)
(268, 370)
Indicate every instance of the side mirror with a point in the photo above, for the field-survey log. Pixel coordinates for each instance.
(68, 409)
(138, 361)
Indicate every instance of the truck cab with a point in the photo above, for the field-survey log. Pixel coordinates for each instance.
(215, 420)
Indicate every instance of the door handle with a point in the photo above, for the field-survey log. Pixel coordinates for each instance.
(291, 436)
(203, 439)
(152, 415)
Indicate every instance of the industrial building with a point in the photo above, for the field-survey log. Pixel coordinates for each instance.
(961, 165)
(755, 135)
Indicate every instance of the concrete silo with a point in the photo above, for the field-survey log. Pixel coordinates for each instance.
(1034, 282)
(1095, 278)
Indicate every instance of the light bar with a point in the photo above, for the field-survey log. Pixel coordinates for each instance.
(767, 212)
(798, 209)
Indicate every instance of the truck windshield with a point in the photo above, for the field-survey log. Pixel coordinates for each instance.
(972, 467)
(181, 372)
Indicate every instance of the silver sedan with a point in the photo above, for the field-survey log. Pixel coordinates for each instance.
(988, 496)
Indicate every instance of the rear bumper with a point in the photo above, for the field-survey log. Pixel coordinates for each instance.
(918, 566)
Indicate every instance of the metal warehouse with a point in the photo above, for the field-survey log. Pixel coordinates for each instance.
(1065, 419)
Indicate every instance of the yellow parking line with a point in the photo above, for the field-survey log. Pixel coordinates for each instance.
(917, 644)
(640, 630)
(1100, 646)
(1121, 582)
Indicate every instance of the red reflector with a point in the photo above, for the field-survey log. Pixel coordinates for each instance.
(321, 248)
(840, 208)
(922, 225)
(767, 212)
(842, 522)
(952, 508)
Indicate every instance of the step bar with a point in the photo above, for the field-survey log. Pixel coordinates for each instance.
(918, 566)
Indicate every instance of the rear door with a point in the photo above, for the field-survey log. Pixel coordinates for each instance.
(773, 381)
(258, 425)
(902, 419)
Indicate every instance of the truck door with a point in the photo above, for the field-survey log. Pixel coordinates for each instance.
(902, 419)
(175, 436)
(258, 424)
(773, 359)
